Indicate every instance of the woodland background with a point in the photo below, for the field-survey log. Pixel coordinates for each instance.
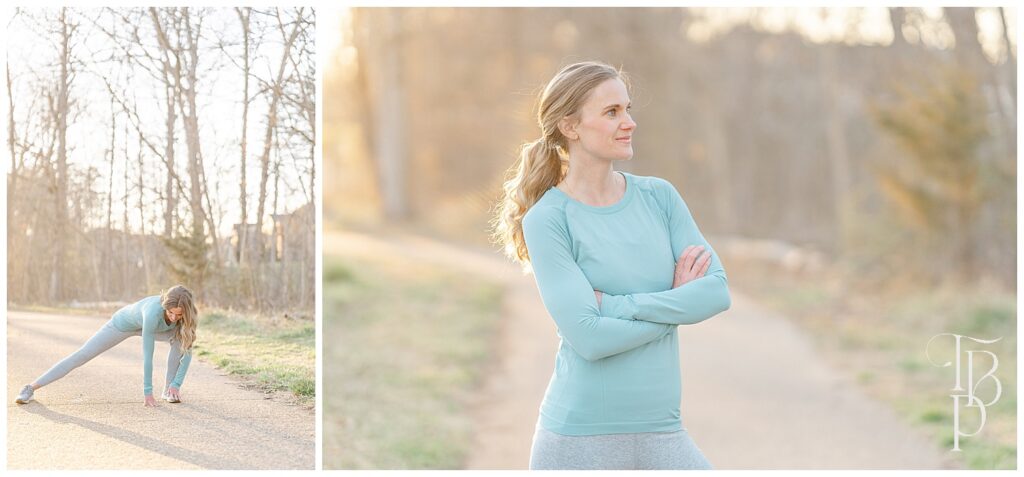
(155, 146)
(882, 139)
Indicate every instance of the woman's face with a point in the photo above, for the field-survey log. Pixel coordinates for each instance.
(605, 127)
(175, 314)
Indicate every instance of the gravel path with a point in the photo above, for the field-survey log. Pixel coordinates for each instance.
(93, 418)
(756, 395)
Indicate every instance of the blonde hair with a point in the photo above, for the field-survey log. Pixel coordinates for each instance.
(179, 296)
(541, 164)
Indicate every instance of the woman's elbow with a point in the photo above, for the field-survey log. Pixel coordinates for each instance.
(724, 300)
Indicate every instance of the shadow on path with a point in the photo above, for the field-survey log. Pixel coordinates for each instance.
(151, 444)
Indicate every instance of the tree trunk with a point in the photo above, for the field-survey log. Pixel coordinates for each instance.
(964, 26)
(897, 17)
(107, 256)
(170, 63)
(389, 131)
(125, 287)
(243, 16)
(835, 140)
(63, 92)
(144, 245)
(12, 184)
(190, 118)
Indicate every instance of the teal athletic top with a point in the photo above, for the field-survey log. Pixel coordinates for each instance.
(617, 367)
(147, 315)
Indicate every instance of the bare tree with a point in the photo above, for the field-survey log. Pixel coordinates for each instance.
(60, 114)
(384, 77)
(108, 245)
(275, 88)
(244, 15)
(153, 68)
(12, 186)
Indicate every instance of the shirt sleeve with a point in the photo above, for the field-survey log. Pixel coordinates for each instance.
(692, 302)
(569, 296)
(150, 317)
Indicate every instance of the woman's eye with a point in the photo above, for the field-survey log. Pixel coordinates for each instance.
(611, 112)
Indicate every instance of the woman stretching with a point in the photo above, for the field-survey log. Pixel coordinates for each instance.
(170, 316)
(603, 246)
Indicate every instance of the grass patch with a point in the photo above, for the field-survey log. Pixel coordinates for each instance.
(879, 335)
(405, 346)
(275, 353)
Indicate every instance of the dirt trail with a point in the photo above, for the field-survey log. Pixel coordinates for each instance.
(755, 393)
(93, 418)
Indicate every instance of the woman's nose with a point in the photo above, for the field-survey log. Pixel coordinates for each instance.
(629, 123)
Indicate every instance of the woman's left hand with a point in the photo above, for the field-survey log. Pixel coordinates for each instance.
(692, 264)
(174, 393)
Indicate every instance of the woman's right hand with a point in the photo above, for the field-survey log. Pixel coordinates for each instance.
(150, 401)
(692, 264)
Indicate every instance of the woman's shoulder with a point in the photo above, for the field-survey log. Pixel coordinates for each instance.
(151, 303)
(650, 183)
(550, 205)
(549, 211)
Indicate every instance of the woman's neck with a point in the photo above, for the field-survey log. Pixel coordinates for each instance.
(593, 182)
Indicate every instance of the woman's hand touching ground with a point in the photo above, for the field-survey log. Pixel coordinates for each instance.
(150, 401)
(692, 264)
(172, 395)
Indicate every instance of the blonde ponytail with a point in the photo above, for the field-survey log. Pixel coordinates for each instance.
(539, 168)
(541, 164)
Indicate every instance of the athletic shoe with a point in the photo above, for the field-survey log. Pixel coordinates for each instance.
(168, 398)
(25, 395)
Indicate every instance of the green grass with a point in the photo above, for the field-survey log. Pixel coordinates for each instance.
(273, 353)
(879, 337)
(405, 346)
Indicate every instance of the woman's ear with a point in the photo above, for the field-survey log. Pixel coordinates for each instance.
(567, 126)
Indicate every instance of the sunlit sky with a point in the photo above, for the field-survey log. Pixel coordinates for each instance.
(220, 120)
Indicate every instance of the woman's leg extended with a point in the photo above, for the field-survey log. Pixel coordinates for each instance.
(107, 337)
(670, 451)
(553, 451)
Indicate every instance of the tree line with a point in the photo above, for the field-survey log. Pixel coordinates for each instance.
(897, 157)
(139, 139)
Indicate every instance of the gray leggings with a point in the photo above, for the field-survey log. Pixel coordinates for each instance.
(641, 451)
(107, 337)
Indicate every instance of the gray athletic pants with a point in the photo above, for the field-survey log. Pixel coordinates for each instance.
(641, 451)
(107, 337)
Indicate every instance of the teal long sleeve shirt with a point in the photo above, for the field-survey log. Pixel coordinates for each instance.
(617, 366)
(147, 315)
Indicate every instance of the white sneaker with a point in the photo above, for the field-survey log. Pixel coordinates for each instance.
(25, 395)
(168, 398)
